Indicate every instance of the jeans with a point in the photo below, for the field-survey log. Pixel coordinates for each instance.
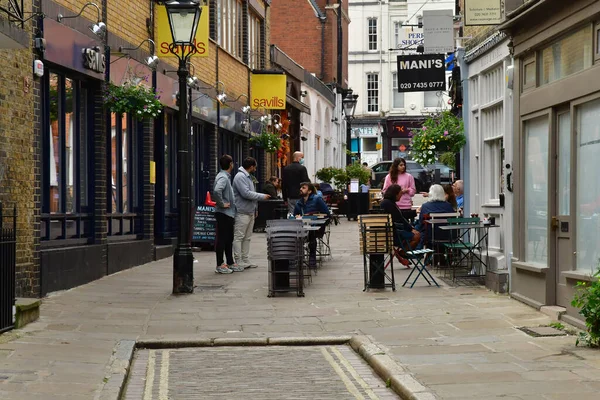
(224, 238)
(291, 205)
(244, 223)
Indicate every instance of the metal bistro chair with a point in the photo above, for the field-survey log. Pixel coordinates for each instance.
(434, 221)
(464, 246)
(377, 244)
(419, 259)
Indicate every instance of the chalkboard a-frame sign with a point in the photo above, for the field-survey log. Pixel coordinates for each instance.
(205, 225)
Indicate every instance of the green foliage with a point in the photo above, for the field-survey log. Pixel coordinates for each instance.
(356, 170)
(440, 133)
(327, 174)
(557, 325)
(448, 159)
(587, 298)
(270, 142)
(139, 101)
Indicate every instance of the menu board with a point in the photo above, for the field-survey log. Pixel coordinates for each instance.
(205, 225)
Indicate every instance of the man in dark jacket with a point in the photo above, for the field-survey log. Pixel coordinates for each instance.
(291, 178)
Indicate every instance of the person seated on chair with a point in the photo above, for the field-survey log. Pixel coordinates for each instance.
(271, 186)
(404, 230)
(436, 203)
(308, 204)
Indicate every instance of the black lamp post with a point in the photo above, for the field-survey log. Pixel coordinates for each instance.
(183, 20)
(349, 105)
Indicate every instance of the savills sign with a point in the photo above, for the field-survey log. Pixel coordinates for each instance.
(268, 91)
(421, 73)
(164, 37)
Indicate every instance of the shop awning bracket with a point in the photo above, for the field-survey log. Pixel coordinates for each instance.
(14, 11)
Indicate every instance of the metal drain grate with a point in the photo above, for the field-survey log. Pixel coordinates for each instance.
(208, 287)
(542, 331)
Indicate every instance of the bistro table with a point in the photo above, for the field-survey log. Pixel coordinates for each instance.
(468, 249)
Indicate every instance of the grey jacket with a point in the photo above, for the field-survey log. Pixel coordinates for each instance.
(223, 193)
(246, 199)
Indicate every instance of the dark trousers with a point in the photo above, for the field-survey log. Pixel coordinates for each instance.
(224, 238)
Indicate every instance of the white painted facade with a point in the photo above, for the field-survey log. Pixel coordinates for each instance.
(490, 136)
(365, 61)
(325, 131)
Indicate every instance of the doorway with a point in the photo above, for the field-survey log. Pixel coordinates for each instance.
(201, 165)
(560, 222)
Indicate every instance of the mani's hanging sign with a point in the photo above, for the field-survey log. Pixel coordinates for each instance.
(421, 73)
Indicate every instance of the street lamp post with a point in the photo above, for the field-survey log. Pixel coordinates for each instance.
(349, 105)
(183, 21)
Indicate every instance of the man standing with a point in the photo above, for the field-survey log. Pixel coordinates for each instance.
(459, 190)
(291, 178)
(224, 214)
(246, 202)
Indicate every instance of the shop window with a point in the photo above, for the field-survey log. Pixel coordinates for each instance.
(369, 144)
(492, 130)
(124, 186)
(588, 186)
(66, 208)
(397, 98)
(372, 92)
(567, 56)
(536, 190)
(372, 33)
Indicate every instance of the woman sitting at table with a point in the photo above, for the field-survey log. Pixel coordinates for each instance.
(404, 230)
(437, 203)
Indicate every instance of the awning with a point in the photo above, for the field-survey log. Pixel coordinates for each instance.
(298, 104)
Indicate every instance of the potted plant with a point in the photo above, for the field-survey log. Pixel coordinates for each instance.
(440, 138)
(327, 174)
(139, 101)
(270, 142)
(587, 299)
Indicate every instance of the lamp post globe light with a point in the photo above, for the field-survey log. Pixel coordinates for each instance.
(349, 106)
(183, 21)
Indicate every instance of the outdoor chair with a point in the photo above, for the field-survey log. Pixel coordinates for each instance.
(419, 258)
(463, 246)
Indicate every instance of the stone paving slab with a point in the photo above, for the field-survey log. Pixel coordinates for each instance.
(266, 372)
(433, 332)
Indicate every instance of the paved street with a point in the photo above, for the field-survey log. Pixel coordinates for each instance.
(307, 372)
(460, 342)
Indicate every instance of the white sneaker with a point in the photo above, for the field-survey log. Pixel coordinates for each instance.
(223, 269)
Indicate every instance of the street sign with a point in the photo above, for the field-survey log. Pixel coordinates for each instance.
(438, 31)
(421, 73)
(483, 12)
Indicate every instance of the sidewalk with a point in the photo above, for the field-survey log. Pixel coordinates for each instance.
(460, 342)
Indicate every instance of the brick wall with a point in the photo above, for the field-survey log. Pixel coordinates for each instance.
(477, 33)
(91, 13)
(17, 156)
(129, 25)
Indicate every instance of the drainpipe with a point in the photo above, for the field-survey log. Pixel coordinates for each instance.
(339, 46)
(323, 20)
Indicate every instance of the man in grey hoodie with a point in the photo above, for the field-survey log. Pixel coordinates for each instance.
(246, 202)
(225, 216)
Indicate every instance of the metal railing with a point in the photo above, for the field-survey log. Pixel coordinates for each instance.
(14, 10)
(8, 258)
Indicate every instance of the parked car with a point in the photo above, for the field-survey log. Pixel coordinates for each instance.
(445, 177)
(421, 175)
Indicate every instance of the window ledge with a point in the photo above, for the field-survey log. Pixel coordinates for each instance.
(579, 276)
(491, 205)
(530, 267)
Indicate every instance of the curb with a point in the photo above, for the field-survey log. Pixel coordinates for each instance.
(118, 370)
(398, 378)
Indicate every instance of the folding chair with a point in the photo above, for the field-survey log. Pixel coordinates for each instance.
(435, 220)
(377, 244)
(419, 259)
(463, 246)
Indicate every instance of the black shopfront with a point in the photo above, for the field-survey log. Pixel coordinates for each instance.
(396, 138)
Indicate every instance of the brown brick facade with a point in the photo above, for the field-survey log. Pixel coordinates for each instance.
(17, 155)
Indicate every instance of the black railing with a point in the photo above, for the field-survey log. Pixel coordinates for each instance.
(8, 258)
(15, 11)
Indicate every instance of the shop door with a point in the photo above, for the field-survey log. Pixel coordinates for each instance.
(201, 163)
(561, 223)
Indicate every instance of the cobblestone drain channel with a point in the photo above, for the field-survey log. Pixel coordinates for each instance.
(334, 372)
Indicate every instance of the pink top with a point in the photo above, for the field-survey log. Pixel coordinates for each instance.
(406, 181)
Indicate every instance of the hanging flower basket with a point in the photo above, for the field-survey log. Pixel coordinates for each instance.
(270, 142)
(441, 136)
(138, 101)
